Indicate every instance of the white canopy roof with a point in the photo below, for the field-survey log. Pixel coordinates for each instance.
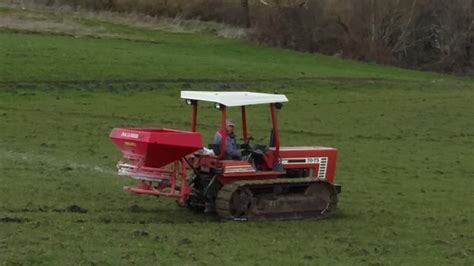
(234, 98)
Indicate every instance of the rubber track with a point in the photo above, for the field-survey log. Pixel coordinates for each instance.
(225, 194)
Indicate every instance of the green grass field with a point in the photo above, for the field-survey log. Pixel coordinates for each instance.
(405, 140)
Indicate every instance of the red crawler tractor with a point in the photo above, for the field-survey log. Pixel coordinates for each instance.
(270, 182)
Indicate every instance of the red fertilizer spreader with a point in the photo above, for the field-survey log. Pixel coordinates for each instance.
(147, 151)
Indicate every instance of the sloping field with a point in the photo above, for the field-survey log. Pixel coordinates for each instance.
(405, 141)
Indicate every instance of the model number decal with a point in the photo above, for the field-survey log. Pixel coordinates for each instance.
(308, 160)
(130, 135)
(322, 161)
(313, 160)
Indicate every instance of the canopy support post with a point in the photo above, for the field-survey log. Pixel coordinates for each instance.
(244, 124)
(194, 116)
(276, 139)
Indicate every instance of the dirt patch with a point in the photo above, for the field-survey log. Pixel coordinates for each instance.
(139, 209)
(185, 241)
(105, 220)
(140, 232)
(73, 209)
(136, 208)
(14, 220)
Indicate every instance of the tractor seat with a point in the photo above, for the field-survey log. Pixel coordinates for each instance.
(215, 147)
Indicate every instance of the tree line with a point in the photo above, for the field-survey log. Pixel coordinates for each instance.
(422, 34)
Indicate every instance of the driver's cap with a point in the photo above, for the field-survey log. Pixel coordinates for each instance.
(230, 122)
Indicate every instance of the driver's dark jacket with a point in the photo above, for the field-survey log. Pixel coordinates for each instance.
(232, 151)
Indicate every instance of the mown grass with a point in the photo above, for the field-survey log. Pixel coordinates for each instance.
(405, 143)
(173, 56)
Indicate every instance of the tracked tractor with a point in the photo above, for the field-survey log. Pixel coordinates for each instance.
(268, 182)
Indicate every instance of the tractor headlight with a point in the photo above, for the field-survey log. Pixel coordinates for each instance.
(217, 106)
(188, 101)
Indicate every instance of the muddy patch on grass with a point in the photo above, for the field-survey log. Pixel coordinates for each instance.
(39, 209)
(140, 233)
(72, 209)
(184, 241)
(16, 220)
(137, 209)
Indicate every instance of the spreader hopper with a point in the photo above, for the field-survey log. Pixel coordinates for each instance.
(155, 147)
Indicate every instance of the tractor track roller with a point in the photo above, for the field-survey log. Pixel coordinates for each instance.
(276, 199)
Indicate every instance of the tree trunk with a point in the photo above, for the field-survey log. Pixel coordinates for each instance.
(245, 6)
(373, 22)
(470, 46)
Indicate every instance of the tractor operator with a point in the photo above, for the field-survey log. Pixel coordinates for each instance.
(232, 151)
